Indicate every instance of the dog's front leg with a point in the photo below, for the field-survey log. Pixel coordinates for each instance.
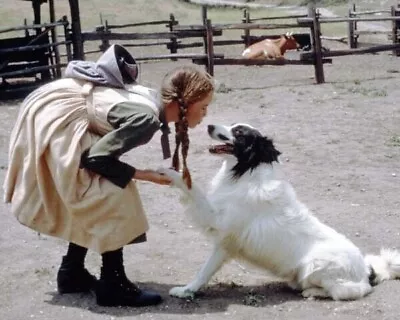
(213, 264)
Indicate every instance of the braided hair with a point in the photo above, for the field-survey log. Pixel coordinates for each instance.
(185, 85)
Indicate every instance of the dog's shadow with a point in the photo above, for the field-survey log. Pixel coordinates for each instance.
(214, 299)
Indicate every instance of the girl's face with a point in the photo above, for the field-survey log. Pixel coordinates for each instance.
(198, 110)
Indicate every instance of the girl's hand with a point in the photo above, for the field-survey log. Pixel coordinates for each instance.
(152, 176)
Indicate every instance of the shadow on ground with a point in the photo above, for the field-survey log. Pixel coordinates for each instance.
(214, 299)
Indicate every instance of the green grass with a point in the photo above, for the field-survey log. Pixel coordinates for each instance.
(394, 141)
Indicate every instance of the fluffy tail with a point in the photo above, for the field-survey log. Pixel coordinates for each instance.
(386, 266)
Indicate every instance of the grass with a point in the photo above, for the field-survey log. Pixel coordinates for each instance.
(394, 141)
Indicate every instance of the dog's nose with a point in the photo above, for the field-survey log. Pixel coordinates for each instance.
(210, 128)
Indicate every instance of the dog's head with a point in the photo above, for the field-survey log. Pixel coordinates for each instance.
(245, 143)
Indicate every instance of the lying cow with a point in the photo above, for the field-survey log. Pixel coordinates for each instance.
(271, 49)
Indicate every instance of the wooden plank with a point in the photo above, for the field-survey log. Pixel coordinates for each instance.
(316, 45)
(93, 36)
(33, 47)
(395, 30)
(192, 27)
(350, 32)
(21, 66)
(279, 17)
(256, 62)
(30, 71)
(364, 32)
(76, 35)
(210, 46)
(32, 26)
(251, 26)
(150, 44)
(246, 19)
(204, 27)
(90, 36)
(338, 53)
(178, 56)
(172, 45)
(53, 33)
(354, 13)
(138, 24)
(307, 21)
(216, 43)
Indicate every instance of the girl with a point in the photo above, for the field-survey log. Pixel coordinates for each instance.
(65, 178)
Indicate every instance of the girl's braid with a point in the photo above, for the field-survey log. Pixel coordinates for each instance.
(182, 137)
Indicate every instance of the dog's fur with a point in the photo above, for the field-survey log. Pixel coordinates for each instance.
(252, 214)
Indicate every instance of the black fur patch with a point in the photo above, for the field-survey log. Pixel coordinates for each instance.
(372, 276)
(251, 149)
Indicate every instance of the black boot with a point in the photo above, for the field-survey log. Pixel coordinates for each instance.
(72, 277)
(115, 289)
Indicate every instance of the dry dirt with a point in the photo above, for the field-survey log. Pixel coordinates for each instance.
(341, 150)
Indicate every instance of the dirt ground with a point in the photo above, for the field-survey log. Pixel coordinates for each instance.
(341, 150)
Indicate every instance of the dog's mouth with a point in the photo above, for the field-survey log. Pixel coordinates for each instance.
(221, 149)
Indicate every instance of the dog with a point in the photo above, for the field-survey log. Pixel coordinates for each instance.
(252, 214)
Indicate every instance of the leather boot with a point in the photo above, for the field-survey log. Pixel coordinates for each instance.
(74, 278)
(115, 289)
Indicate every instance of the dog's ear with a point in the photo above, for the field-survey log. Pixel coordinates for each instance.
(267, 149)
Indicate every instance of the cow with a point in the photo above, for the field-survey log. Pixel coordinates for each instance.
(271, 49)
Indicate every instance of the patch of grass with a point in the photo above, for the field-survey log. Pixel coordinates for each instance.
(368, 92)
(394, 141)
(41, 272)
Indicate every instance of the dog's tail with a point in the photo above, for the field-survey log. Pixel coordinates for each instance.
(386, 266)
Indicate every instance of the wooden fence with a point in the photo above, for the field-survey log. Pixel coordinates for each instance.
(377, 15)
(33, 57)
(171, 38)
(39, 53)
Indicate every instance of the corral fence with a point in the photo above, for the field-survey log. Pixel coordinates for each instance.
(44, 50)
(171, 38)
(206, 35)
(33, 56)
(314, 21)
(392, 31)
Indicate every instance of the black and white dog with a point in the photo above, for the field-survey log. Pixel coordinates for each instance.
(253, 215)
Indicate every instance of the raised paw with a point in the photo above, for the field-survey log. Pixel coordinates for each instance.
(181, 292)
(175, 176)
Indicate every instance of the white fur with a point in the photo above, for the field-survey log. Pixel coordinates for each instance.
(258, 218)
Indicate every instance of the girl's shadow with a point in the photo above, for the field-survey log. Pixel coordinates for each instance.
(214, 299)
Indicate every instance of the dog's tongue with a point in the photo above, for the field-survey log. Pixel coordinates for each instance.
(220, 148)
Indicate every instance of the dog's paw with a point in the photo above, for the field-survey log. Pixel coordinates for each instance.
(313, 293)
(181, 292)
(175, 176)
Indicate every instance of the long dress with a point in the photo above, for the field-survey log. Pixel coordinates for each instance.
(47, 187)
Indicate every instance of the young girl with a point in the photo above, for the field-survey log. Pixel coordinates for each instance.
(65, 178)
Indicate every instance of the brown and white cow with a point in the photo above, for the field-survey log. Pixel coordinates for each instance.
(271, 49)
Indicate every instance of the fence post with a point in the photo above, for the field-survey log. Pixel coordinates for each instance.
(67, 38)
(355, 27)
(204, 19)
(210, 46)
(246, 19)
(351, 29)
(316, 44)
(105, 43)
(77, 39)
(173, 46)
(54, 40)
(395, 27)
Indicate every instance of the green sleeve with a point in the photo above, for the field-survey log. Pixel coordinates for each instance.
(134, 125)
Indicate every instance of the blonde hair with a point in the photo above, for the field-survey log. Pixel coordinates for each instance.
(185, 85)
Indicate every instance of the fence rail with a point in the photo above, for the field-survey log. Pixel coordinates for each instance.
(203, 35)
